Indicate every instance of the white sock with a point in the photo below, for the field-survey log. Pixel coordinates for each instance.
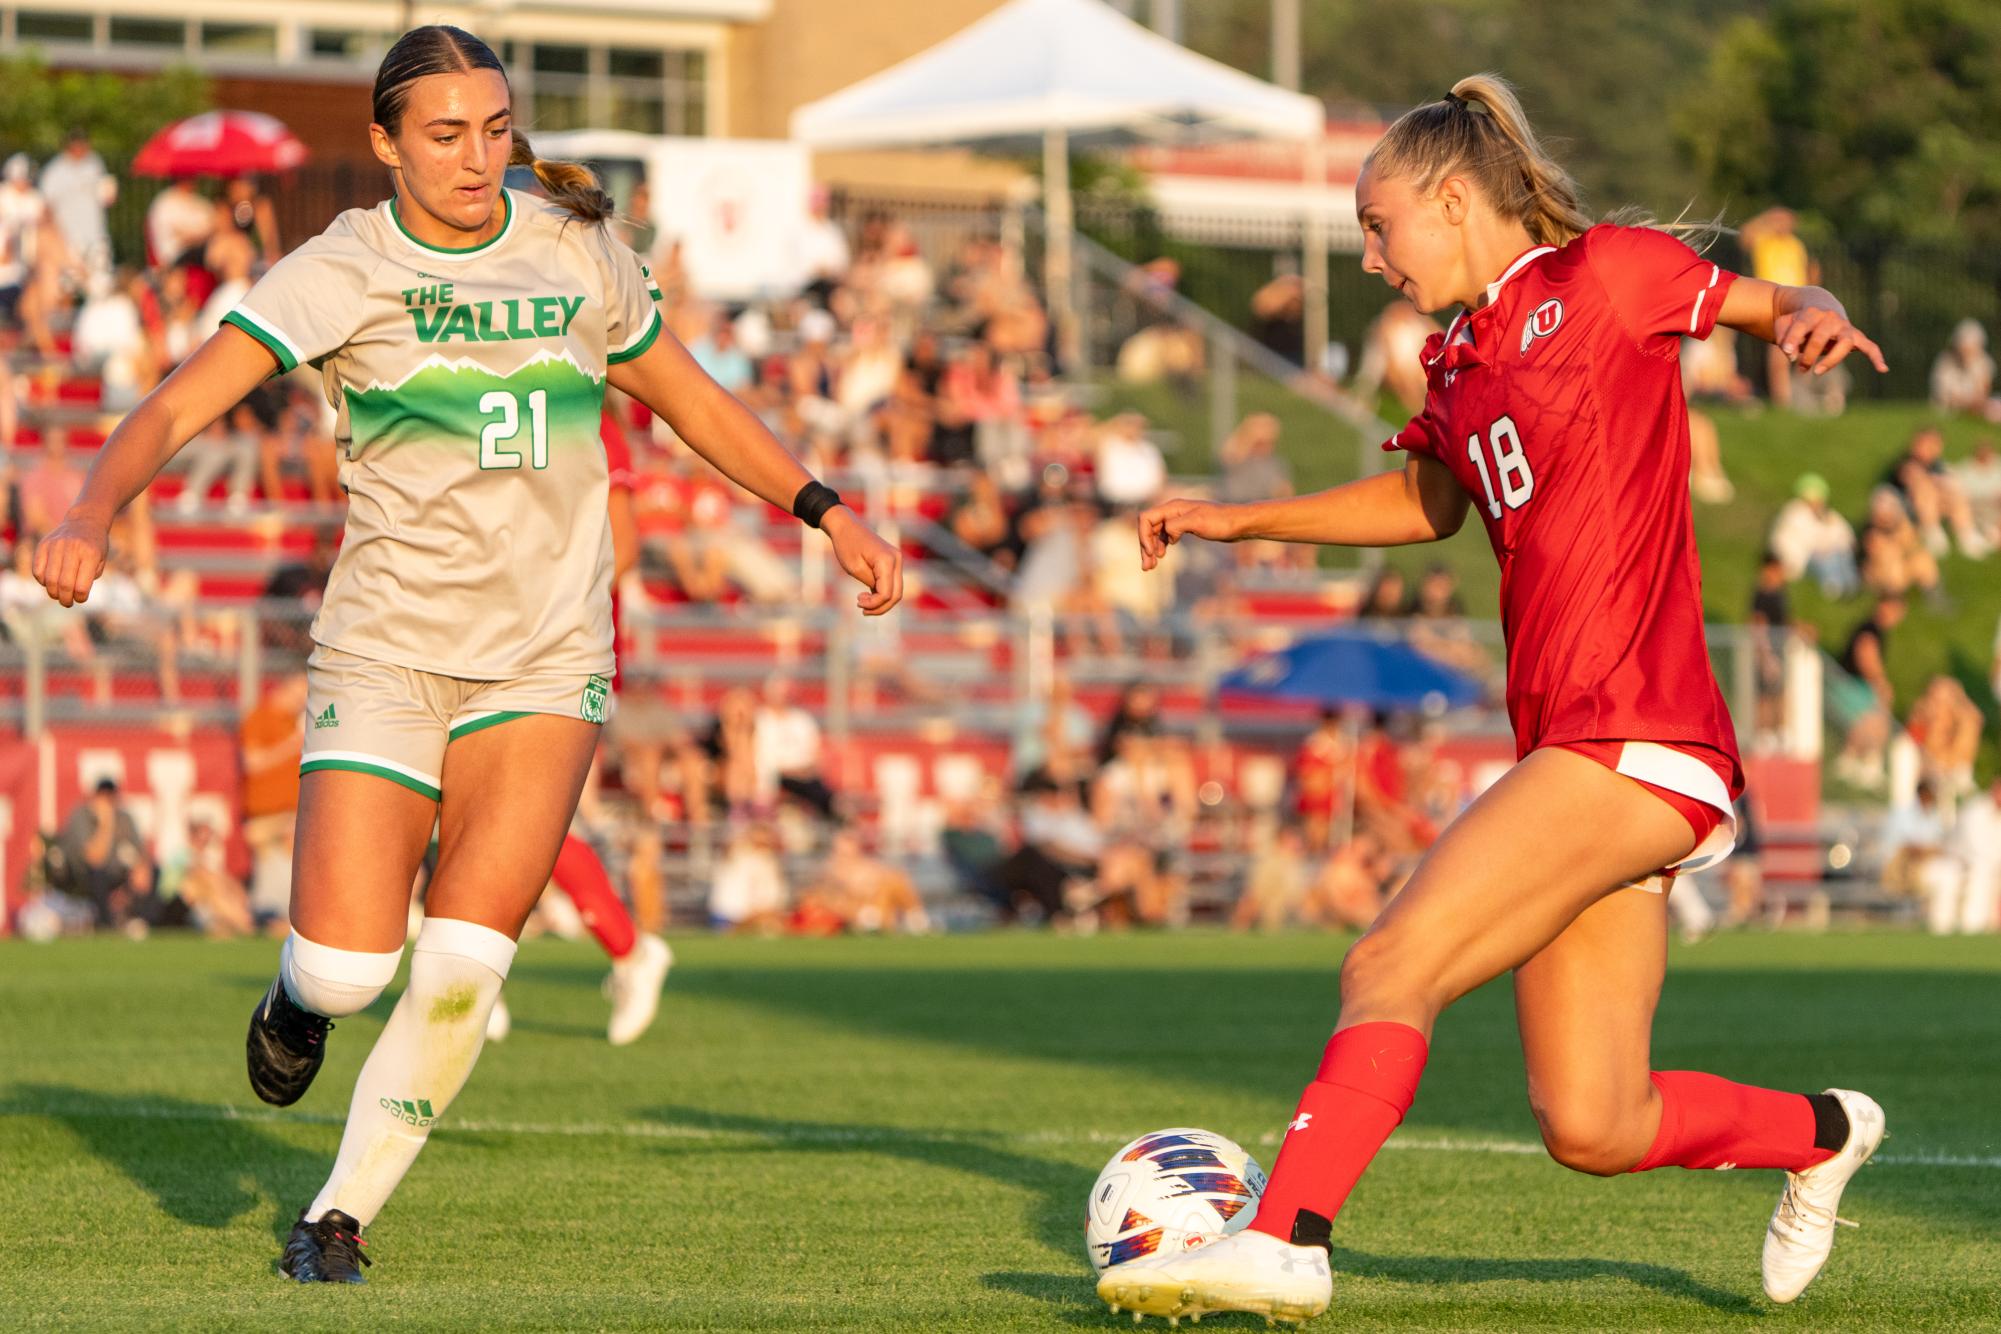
(419, 1063)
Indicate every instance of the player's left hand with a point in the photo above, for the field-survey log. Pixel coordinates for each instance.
(1818, 337)
(873, 562)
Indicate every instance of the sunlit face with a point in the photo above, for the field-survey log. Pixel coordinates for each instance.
(451, 150)
(1409, 239)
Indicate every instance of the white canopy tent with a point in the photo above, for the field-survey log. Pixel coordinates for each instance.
(1063, 73)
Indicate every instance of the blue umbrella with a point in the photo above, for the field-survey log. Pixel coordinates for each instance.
(1354, 667)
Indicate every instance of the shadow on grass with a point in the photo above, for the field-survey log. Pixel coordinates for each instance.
(1055, 1216)
(200, 1167)
(1662, 1279)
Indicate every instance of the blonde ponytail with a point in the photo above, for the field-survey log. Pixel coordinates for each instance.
(1479, 130)
(570, 184)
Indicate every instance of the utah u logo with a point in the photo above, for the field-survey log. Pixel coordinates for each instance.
(1542, 323)
(1299, 1122)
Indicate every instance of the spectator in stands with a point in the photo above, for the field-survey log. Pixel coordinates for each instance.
(1163, 348)
(868, 368)
(270, 740)
(907, 418)
(973, 840)
(78, 190)
(979, 390)
(109, 341)
(179, 223)
(301, 583)
(1778, 255)
(1707, 481)
(236, 443)
(1810, 538)
(1383, 793)
(1771, 623)
(1131, 603)
(1253, 469)
(731, 748)
(1946, 725)
(869, 894)
(715, 349)
(1916, 862)
(1863, 702)
(47, 289)
(1392, 355)
(1348, 894)
(1052, 725)
(1137, 710)
(1709, 369)
(125, 621)
(49, 488)
(231, 258)
(1744, 872)
(174, 338)
(1894, 557)
(1931, 495)
(1388, 597)
(22, 211)
(1275, 884)
(823, 248)
(1962, 379)
(1976, 843)
(1438, 627)
(1278, 317)
(747, 892)
(31, 619)
(247, 211)
(1129, 470)
(979, 518)
(196, 875)
(1322, 768)
(99, 857)
(1978, 478)
(904, 277)
(786, 745)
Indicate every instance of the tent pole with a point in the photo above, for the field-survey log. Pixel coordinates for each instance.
(1313, 237)
(1056, 267)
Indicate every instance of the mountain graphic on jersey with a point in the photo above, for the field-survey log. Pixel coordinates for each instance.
(549, 404)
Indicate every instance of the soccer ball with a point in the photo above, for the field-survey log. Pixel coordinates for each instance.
(1170, 1191)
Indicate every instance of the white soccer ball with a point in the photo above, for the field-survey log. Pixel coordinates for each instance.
(1170, 1191)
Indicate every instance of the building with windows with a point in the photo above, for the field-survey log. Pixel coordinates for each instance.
(731, 68)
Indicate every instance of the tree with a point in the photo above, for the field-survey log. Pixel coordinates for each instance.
(39, 107)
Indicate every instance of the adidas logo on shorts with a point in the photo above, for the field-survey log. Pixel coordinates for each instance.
(326, 718)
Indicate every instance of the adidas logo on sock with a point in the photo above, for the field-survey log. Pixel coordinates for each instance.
(326, 718)
(417, 1111)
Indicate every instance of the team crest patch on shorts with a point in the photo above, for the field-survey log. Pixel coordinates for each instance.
(596, 691)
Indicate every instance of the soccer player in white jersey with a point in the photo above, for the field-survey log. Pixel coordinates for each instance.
(462, 650)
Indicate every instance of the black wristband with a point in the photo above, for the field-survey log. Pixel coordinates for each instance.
(813, 501)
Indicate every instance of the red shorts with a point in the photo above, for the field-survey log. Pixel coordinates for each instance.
(1695, 780)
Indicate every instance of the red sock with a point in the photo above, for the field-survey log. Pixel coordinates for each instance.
(1365, 1084)
(1707, 1121)
(581, 875)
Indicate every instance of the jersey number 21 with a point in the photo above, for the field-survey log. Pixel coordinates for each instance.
(1511, 465)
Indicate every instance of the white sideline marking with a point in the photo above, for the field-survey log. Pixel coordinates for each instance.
(796, 1134)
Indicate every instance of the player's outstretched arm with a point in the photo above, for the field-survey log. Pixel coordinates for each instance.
(1421, 503)
(731, 438)
(1807, 323)
(210, 382)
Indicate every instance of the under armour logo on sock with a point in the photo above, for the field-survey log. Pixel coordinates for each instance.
(1299, 1122)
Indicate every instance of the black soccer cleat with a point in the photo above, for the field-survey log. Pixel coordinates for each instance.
(328, 1251)
(285, 1047)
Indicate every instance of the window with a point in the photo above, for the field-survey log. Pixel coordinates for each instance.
(638, 90)
(40, 25)
(344, 44)
(687, 92)
(155, 33)
(562, 84)
(239, 39)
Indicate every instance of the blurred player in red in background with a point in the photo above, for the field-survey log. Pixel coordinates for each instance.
(639, 962)
(1555, 408)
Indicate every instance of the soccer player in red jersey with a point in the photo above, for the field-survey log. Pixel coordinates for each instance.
(1555, 412)
(639, 960)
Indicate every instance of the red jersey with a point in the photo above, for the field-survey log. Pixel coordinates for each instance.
(1558, 407)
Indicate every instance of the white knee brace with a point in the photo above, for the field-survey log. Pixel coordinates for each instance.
(334, 983)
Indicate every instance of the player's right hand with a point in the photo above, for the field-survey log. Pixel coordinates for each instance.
(1171, 520)
(69, 559)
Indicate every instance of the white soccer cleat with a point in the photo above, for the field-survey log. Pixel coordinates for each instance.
(1801, 1232)
(634, 986)
(499, 1023)
(1246, 1271)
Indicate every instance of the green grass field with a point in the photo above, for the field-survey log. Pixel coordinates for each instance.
(900, 1134)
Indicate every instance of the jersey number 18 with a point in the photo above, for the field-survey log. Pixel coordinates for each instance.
(508, 427)
(1511, 465)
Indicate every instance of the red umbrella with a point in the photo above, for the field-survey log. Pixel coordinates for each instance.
(221, 143)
